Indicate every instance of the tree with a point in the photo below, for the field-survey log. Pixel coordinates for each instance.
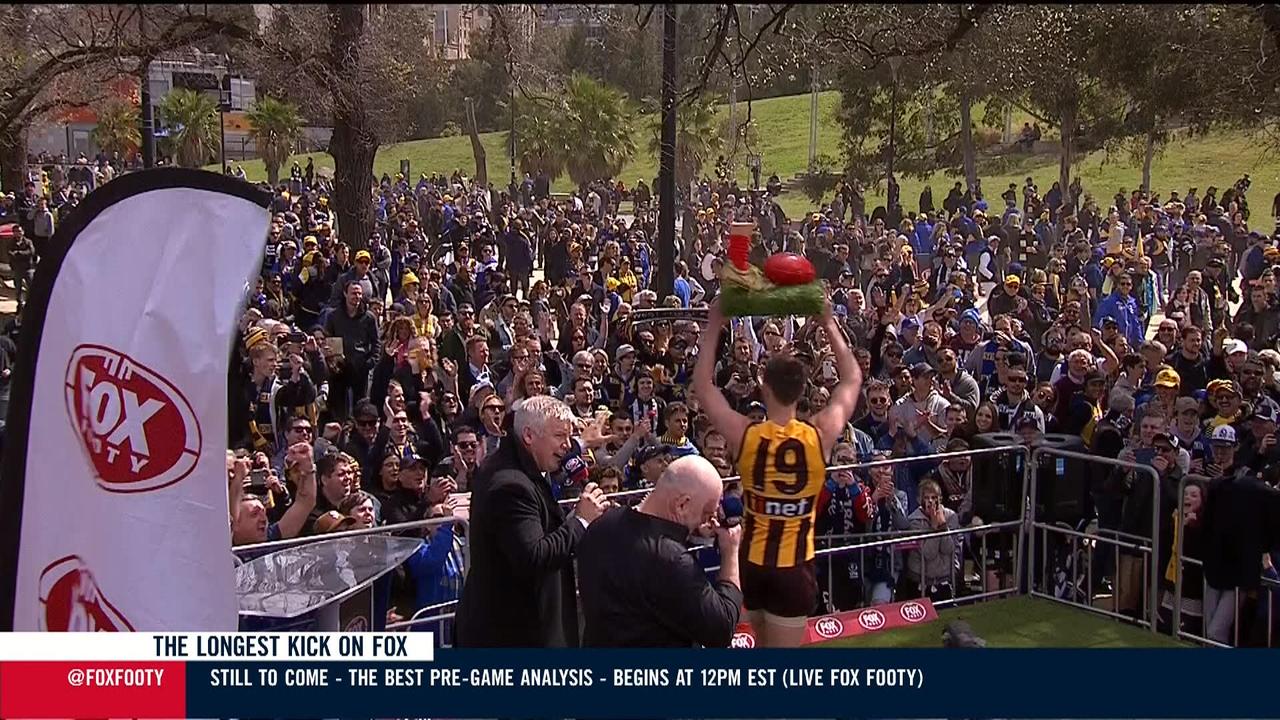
(599, 128)
(117, 130)
(862, 42)
(354, 64)
(815, 185)
(1057, 78)
(276, 130)
(192, 119)
(541, 146)
(697, 137)
(88, 44)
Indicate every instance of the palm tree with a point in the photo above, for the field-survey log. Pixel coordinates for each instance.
(117, 130)
(192, 119)
(541, 146)
(697, 138)
(276, 128)
(598, 126)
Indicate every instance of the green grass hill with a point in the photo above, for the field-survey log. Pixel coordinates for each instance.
(1218, 158)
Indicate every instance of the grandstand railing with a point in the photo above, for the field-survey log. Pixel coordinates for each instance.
(1075, 539)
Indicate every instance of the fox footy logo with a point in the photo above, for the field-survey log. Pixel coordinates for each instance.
(72, 602)
(137, 428)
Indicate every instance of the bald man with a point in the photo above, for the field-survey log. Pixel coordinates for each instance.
(639, 586)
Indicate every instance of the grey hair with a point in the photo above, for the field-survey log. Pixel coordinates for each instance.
(535, 412)
(584, 356)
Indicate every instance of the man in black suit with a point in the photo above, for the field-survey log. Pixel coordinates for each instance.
(520, 588)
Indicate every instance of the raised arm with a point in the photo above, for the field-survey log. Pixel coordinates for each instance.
(833, 418)
(725, 419)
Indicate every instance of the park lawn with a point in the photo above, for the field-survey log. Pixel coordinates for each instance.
(1020, 622)
(1218, 158)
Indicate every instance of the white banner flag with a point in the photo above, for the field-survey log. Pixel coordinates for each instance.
(115, 449)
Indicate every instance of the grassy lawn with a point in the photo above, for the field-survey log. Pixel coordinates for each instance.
(1218, 158)
(1020, 622)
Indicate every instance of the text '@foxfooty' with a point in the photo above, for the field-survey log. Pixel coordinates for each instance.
(115, 677)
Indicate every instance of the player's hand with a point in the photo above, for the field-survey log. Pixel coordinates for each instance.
(591, 503)
(715, 317)
(1160, 463)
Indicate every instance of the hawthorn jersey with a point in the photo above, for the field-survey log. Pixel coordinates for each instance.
(783, 472)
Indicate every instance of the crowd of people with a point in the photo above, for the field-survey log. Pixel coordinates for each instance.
(1145, 326)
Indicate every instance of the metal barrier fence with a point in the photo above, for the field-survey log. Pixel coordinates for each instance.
(1030, 531)
(1267, 592)
(1075, 539)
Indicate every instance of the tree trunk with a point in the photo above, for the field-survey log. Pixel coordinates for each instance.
(966, 141)
(273, 173)
(1148, 155)
(13, 159)
(477, 148)
(354, 143)
(1068, 145)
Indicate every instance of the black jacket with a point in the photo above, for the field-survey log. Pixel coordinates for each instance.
(520, 588)
(640, 588)
(1241, 520)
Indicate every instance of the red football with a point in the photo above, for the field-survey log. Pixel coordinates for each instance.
(789, 269)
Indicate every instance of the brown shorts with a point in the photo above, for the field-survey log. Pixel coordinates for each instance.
(785, 592)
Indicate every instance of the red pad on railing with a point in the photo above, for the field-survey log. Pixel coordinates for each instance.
(853, 622)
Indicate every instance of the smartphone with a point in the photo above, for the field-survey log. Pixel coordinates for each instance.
(258, 481)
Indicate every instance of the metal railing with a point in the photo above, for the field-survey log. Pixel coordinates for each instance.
(258, 549)
(1267, 586)
(1075, 538)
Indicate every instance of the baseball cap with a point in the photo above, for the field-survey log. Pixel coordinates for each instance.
(909, 323)
(650, 452)
(920, 370)
(1183, 404)
(1235, 346)
(1027, 420)
(333, 521)
(1216, 385)
(755, 405)
(1110, 320)
(1166, 437)
(1168, 377)
(1094, 376)
(1012, 280)
(1223, 435)
(1264, 412)
(364, 255)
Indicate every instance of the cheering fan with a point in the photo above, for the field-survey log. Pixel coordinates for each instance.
(786, 287)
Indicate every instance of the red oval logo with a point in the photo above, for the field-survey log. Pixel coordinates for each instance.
(912, 612)
(137, 428)
(829, 627)
(743, 640)
(72, 601)
(871, 619)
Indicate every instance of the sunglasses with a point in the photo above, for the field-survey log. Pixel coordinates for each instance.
(878, 401)
(302, 429)
(367, 422)
(467, 445)
(499, 408)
